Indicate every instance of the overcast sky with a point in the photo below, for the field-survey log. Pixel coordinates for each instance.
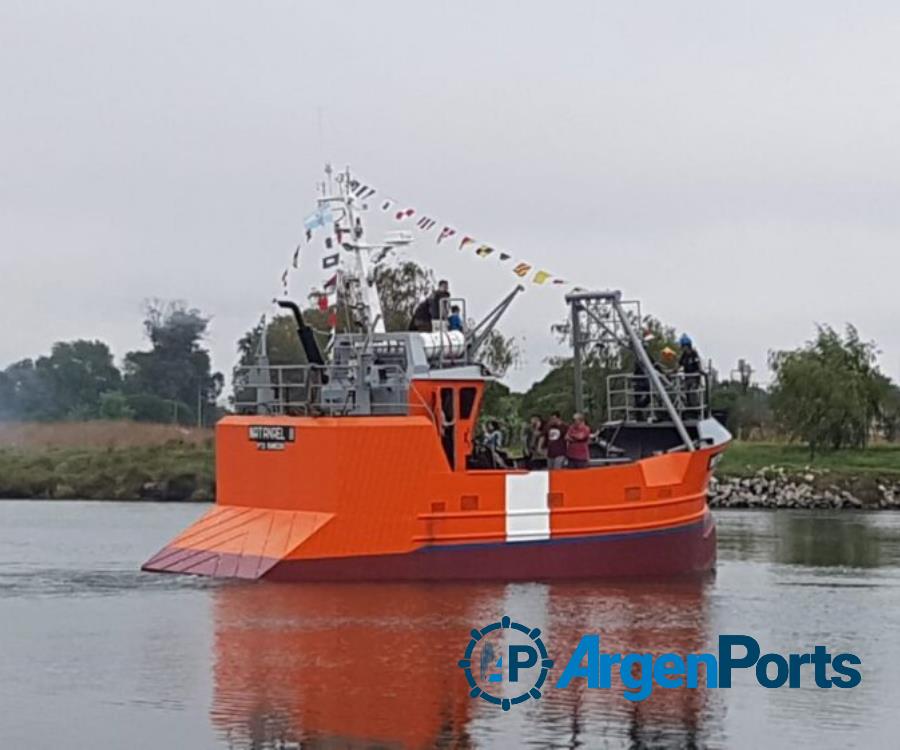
(733, 165)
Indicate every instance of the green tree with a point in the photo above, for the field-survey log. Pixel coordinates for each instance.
(7, 396)
(889, 409)
(177, 368)
(282, 342)
(747, 406)
(27, 393)
(77, 372)
(828, 392)
(66, 384)
(114, 405)
(555, 392)
(499, 353)
(401, 286)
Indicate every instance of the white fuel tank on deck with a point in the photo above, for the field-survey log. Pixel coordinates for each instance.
(446, 344)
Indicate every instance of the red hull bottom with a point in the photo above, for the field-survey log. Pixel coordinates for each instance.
(680, 551)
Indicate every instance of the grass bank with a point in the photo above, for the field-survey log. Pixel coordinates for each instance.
(745, 459)
(106, 461)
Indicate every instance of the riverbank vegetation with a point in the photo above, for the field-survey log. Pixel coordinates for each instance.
(106, 460)
(748, 458)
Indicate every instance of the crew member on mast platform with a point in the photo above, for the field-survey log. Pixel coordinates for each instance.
(429, 309)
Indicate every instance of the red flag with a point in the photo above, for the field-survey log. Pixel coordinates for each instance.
(323, 302)
(446, 233)
(332, 319)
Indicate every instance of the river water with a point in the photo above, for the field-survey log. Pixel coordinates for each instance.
(95, 654)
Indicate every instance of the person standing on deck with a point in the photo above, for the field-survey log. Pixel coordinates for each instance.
(429, 309)
(493, 441)
(534, 444)
(578, 438)
(689, 365)
(437, 296)
(555, 441)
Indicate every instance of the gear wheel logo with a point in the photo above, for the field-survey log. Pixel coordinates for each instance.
(506, 653)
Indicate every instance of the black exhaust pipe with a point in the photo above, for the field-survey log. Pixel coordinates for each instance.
(306, 334)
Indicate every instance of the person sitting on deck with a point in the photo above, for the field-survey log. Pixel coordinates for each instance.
(454, 322)
(493, 441)
(555, 441)
(578, 438)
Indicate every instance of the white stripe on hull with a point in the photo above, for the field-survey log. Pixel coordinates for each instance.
(527, 512)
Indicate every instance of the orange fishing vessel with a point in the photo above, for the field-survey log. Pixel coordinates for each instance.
(364, 464)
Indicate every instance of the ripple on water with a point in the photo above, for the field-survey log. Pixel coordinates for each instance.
(66, 582)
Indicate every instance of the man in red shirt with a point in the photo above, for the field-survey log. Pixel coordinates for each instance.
(555, 441)
(578, 438)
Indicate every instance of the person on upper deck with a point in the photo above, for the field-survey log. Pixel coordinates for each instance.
(454, 322)
(555, 441)
(667, 360)
(429, 309)
(442, 292)
(689, 364)
(578, 438)
(689, 360)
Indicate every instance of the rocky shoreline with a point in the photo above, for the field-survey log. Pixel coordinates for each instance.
(774, 487)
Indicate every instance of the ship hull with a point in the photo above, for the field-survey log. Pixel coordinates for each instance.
(687, 550)
(682, 551)
(311, 512)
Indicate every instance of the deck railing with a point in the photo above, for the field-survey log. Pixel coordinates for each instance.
(632, 398)
(313, 390)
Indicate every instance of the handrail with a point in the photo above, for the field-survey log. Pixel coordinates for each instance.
(286, 389)
(632, 399)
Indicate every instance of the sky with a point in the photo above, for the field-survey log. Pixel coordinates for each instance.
(735, 166)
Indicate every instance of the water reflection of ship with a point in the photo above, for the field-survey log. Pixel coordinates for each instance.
(361, 666)
(647, 618)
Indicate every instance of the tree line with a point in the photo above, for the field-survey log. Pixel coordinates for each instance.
(827, 393)
(172, 381)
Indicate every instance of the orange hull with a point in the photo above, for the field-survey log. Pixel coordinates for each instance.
(376, 498)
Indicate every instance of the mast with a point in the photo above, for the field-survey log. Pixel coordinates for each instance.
(370, 302)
